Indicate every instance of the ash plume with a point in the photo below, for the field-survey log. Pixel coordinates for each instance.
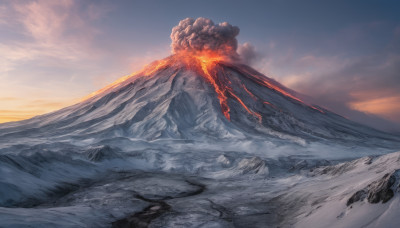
(248, 53)
(201, 34)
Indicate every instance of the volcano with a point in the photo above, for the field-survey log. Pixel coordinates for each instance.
(194, 98)
(197, 139)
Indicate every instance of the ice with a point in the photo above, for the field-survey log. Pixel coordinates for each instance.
(157, 151)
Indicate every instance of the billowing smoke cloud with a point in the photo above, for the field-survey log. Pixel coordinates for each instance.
(248, 53)
(201, 34)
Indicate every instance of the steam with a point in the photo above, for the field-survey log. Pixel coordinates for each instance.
(201, 34)
(248, 53)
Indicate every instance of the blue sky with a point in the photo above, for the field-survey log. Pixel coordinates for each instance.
(345, 55)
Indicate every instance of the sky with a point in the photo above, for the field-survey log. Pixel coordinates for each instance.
(343, 55)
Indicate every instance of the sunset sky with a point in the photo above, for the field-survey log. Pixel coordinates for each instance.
(345, 55)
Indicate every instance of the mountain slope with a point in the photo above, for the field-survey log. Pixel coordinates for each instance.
(171, 99)
(150, 144)
(196, 140)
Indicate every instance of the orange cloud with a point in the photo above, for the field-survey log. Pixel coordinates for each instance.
(8, 99)
(387, 107)
(51, 34)
(47, 25)
(20, 108)
(15, 115)
(42, 20)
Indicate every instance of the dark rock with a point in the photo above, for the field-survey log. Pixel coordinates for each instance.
(252, 165)
(358, 196)
(100, 153)
(143, 218)
(379, 190)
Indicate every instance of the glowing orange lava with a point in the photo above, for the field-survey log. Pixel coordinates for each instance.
(245, 107)
(154, 67)
(206, 63)
(210, 65)
(250, 93)
(315, 108)
(147, 70)
(209, 62)
(268, 84)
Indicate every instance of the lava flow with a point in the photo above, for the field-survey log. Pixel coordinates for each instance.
(206, 64)
(210, 65)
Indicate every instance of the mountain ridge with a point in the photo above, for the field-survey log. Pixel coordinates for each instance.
(172, 98)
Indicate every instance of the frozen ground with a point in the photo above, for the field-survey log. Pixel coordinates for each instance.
(153, 185)
(157, 151)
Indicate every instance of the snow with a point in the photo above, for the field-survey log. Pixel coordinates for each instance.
(163, 140)
(327, 208)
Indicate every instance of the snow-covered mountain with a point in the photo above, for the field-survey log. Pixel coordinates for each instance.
(174, 100)
(191, 142)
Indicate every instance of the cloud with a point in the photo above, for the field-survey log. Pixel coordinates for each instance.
(9, 99)
(24, 108)
(48, 30)
(45, 20)
(248, 53)
(365, 89)
(363, 86)
(14, 115)
(3, 14)
(48, 51)
(201, 34)
(388, 107)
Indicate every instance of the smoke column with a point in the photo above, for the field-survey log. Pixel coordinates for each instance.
(202, 35)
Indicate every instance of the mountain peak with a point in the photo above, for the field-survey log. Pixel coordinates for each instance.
(217, 71)
(197, 97)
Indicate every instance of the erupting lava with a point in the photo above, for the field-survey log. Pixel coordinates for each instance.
(206, 64)
(209, 65)
(209, 49)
